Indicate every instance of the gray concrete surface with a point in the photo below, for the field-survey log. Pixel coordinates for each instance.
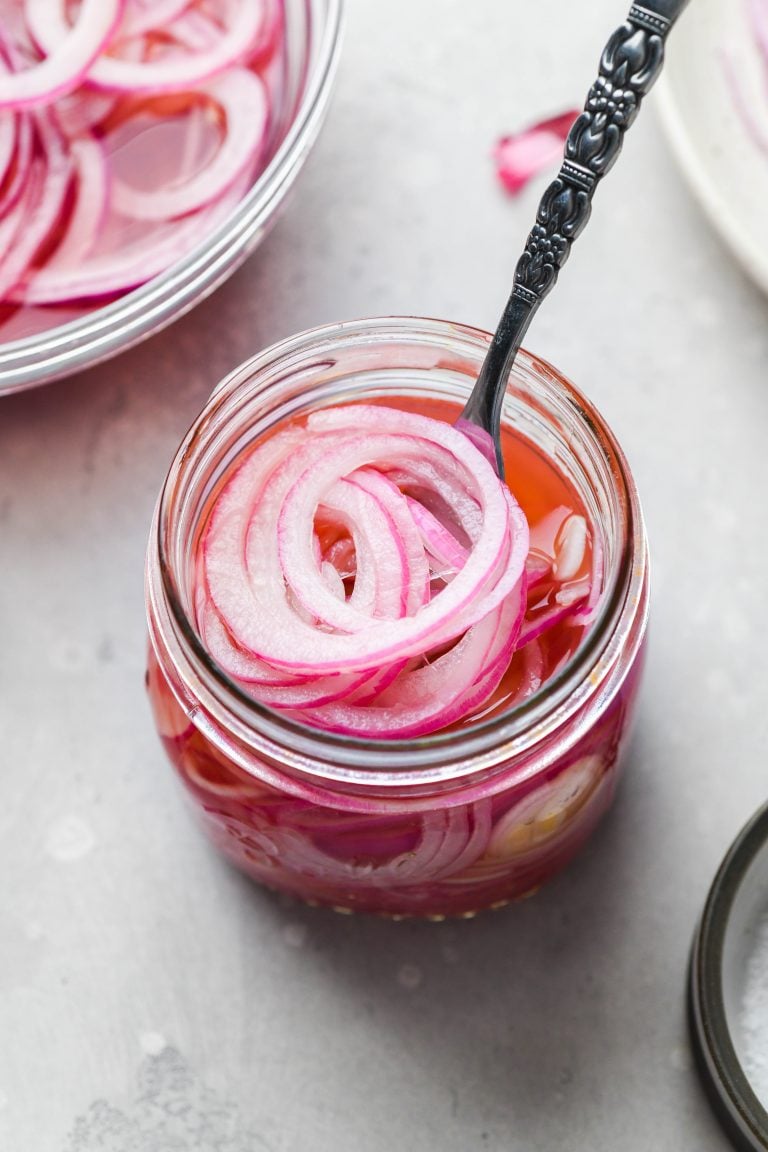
(151, 999)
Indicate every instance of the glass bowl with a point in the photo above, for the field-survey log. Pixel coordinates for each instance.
(728, 989)
(464, 818)
(312, 44)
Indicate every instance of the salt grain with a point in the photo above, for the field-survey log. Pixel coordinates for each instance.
(754, 1017)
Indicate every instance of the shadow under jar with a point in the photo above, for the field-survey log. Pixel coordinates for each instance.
(465, 818)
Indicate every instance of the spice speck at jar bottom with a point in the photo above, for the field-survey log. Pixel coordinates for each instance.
(387, 680)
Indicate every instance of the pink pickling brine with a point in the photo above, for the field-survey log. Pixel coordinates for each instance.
(383, 694)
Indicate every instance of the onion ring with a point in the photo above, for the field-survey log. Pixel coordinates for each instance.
(69, 59)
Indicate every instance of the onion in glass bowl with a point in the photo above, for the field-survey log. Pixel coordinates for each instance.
(228, 95)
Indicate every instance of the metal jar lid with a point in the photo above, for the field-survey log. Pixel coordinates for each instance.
(734, 922)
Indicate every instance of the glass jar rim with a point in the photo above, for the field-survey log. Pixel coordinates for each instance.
(91, 339)
(333, 756)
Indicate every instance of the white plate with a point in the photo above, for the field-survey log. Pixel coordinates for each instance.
(725, 167)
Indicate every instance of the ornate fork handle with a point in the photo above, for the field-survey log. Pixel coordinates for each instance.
(630, 64)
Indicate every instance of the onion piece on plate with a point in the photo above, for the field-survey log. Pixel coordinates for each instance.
(523, 155)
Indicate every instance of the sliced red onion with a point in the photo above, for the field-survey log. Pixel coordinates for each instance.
(251, 597)
(68, 59)
(341, 555)
(317, 693)
(242, 99)
(438, 539)
(8, 136)
(235, 662)
(195, 31)
(240, 22)
(107, 273)
(538, 567)
(16, 132)
(367, 573)
(83, 110)
(437, 694)
(21, 161)
(87, 217)
(333, 579)
(480, 816)
(142, 16)
(448, 839)
(391, 572)
(91, 235)
(442, 492)
(558, 588)
(10, 227)
(417, 589)
(523, 155)
(38, 211)
(408, 649)
(539, 623)
(382, 573)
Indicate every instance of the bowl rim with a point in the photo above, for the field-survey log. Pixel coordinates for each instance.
(101, 334)
(739, 1110)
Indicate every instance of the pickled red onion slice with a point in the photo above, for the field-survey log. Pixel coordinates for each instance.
(68, 59)
(436, 694)
(106, 273)
(27, 227)
(142, 16)
(236, 27)
(241, 97)
(18, 167)
(249, 582)
(414, 590)
(384, 581)
(8, 130)
(92, 196)
(83, 110)
(448, 840)
(323, 585)
(73, 223)
(438, 539)
(522, 155)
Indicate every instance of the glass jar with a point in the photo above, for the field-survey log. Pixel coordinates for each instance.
(448, 823)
